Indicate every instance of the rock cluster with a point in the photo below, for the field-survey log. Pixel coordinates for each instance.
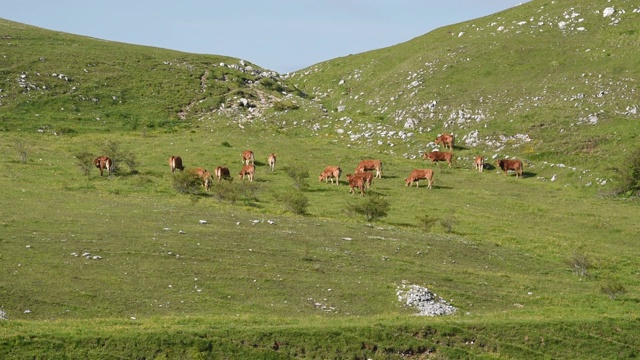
(427, 303)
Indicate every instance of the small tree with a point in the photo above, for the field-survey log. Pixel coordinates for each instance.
(299, 175)
(372, 207)
(427, 222)
(579, 263)
(630, 175)
(84, 161)
(185, 182)
(613, 288)
(23, 148)
(448, 222)
(296, 202)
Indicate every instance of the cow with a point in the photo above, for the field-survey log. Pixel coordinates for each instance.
(367, 177)
(331, 172)
(271, 161)
(420, 174)
(366, 165)
(175, 162)
(247, 170)
(355, 182)
(204, 175)
(247, 157)
(436, 156)
(446, 140)
(514, 164)
(102, 163)
(478, 163)
(221, 172)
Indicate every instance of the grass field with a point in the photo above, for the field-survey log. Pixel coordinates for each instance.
(139, 265)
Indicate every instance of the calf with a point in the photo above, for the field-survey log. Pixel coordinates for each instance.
(367, 177)
(436, 156)
(247, 157)
(247, 170)
(366, 165)
(355, 182)
(102, 163)
(175, 162)
(446, 140)
(513, 164)
(204, 175)
(331, 172)
(419, 174)
(478, 163)
(271, 160)
(221, 172)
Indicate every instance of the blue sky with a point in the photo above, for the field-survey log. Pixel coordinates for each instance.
(281, 35)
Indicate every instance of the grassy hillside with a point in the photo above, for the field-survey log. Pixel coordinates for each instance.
(132, 266)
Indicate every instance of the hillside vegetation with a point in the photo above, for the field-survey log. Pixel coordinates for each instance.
(147, 264)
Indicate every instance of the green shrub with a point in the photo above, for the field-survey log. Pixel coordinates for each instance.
(630, 175)
(23, 148)
(373, 207)
(448, 222)
(84, 161)
(295, 201)
(185, 182)
(427, 222)
(299, 174)
(579, 264)
(613, 288)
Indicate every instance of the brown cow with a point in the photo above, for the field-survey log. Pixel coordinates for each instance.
(478, 163)
(249, 171)
(420, 174)
(247, 157)
(331, 172)
(175, 162)
(102, 163)
(221, 172)
(367, 177)
(271, 161)
(436, 156)
(204, 175)
(513, 164)
(446, 140)
(355, 182)
(366, 165)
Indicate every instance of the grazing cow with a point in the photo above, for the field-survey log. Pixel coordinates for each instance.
(436, 156)
(420, 174)
(249, 171)
(271, 161)
(366, 165)
(355, 182)
(446, 140)
(204, 175)
(102, 163)
(367, 177)
(221, 172)
(247, 157)
(514, 164)
(331, 172)
(175, 162)
(478, 163)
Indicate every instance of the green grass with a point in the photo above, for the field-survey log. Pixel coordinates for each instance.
(323, 284)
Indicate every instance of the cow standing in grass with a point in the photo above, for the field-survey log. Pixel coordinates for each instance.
(513, 164)
(331, 172)
(204, 175)
(446, 140)
(102, 163)
(368, 165)
(248, 171)
(420, 174)
(436, 156)
(221, 172)
(355, 182)
(175, 162)
(247, 157)
(478, 163)
(271, 161)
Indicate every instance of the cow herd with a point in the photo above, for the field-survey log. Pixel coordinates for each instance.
(361, 179)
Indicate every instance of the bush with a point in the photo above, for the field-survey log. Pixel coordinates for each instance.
(299, 175)
(630, 175)
(23, 148)
(296, 202)
(85, 162)
(448, 222)
(117, 155)
(185, 182)
(373, 207)
(427, 222)
(613, 288)
(579, 263)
